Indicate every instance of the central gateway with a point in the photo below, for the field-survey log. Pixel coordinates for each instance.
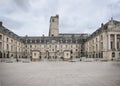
(35, 55)
(67, 55)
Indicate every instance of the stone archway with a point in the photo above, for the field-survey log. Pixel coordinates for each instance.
(67, 55)
(35, 55)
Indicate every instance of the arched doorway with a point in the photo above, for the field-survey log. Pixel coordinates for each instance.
(35, 55)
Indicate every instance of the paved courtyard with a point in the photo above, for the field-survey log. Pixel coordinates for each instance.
(60, 74)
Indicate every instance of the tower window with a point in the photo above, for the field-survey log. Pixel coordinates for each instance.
(52, 35)
(52, 20)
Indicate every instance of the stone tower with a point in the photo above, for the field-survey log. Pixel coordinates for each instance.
(54, 26)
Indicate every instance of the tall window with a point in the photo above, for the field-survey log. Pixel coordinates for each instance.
(34, 54)
(113, 54)
(101, 45)
(118, 46)
(0, 54)
(7, 47)
(0, 45)
(52, 35)
(101, 37)
(119, 55)
(7, 39)
(96, 39)
(11, 48)
(53, 20)
(66, 46)
(30, 46)
(11, 41)
(0, 37)
(96, 47)
(111, 45)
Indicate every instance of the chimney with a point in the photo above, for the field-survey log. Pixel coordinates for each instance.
(57, 15)
(0, 23)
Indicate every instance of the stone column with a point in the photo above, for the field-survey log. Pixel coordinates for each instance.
(109, 43)
(115, 41)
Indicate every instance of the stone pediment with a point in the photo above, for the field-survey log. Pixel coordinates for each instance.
(116, 29)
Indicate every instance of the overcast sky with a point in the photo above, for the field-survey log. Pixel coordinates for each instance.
(31, 17)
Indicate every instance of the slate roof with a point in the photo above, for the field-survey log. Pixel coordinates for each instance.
(104, 27)
(9, 33)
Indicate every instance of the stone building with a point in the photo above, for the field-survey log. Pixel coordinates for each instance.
(56, 45)
(103, 43)
(11, 45)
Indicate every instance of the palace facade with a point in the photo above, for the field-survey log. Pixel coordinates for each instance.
(104, 43)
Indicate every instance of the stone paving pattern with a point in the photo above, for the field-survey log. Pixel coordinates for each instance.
(60, 74)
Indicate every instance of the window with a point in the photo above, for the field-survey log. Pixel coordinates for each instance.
(101, 37)
(7, 47)
(61, 46)
(30, 46)
(66, 46)
(71, 46)
(52, 35)
(34, 54)
(55, 46)
(11, 48)
(113, 54)
(111, 45)
(33, 41)
(118, 45)
(67, 54)
(7, 39)
(96, 40)
(50, 46)
(0, 37)
(53, 50)
(96, 47)
(119, 55)
(101, 45)
(0, 54)
(76, 50)
(11, 41)
(53, 20)
(37, 41)
(0, 45)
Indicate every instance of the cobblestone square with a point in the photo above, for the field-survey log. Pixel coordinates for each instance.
(60, 74)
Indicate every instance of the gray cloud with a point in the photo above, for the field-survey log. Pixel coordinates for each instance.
(76, 16)
(23, 4)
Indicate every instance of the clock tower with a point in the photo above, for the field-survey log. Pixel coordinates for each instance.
(54, 26)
